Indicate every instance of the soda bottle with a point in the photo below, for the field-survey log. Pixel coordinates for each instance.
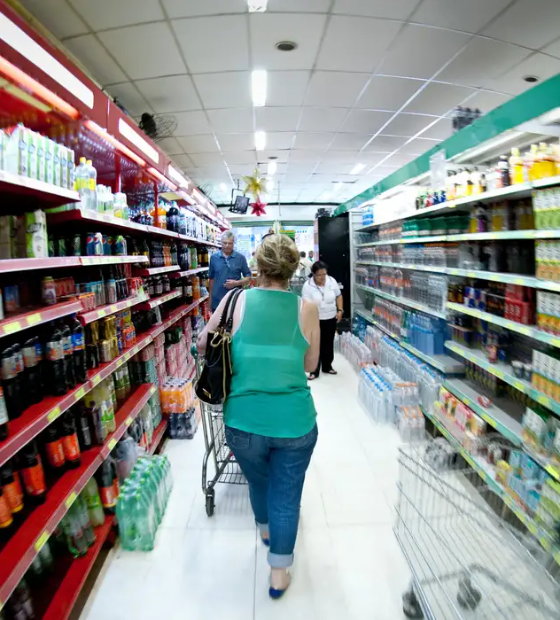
(95, 418)
(3, 416)
(9, 481)
(75, 538)
(54, 449)
(79, 350)
(81, 512)
(68, 356)
(93, 502)
(6, 518)
(32, 474)
(33, 380)
(84, 427)
(11, 384)
(70, 441)
(55, 362)
(104, 477)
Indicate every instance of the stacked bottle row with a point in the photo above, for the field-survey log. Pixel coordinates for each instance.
(353, 349)
(426, 289)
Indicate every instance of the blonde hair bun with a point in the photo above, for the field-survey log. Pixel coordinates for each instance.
(277, 257)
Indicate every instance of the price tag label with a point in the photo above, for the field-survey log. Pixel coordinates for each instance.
(112, 444)
(553, 472)
(114, 308)
(471, 274)
(70, 499)
(101, 313)
(80, 393)
(40, 542)
(555, 342)
(96, 379)
(545, 543)
(544, 400)
(128, 421)
(12, 328)
(86, 261)
(34, 319)
(52, 415)
(499, 373)
(488, 419)
(524, 330)
(519, 386)
(519, 281)
(467, 402)
(533, 528)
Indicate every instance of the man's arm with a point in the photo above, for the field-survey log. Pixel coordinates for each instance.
(245, 271)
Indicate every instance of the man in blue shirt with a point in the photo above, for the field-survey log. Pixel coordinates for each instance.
(228, 269)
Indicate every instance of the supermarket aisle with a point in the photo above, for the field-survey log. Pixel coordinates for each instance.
(348, 563)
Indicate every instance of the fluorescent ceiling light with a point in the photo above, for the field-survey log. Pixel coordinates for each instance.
(272, 167)
(260, 140)
(257, 6)
(357, 168)
(223, 187)
(258, 87)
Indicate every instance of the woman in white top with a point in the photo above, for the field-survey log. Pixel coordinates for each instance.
(324, 292)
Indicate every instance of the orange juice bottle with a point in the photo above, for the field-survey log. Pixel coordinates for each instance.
(531, 163)
(516, 171)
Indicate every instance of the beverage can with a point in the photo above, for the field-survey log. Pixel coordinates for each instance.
(76, 245)
(48, 288)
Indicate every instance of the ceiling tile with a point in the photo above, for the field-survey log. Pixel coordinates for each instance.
(388, 93)
(349, 141)
(418, 146)
(206, 159)
(191, 123)
(170, 94)
(198, 38)
(295, 178)
(95, 58)
(296, 6)
(420, 51)
(342, 157)
(385, 144)
(57, 16)
(531, 23)
(396, 9)
(365, 121)
(338, 90)
(408, 124)
(370, 158)
(103, 14)
(486, 100)
(438, 99)
(236, 141)
(307, 156)
(129, 97)
(301, 167)
(313, 140)
(482, 60)
(332, 168)
(212, 172)
(537, 64)
(277, 119)
(197, 8)
(183, 161)
(199, 144)
(399, 159)
(457, 14)
(287, 87)
(355, 43)
(144, 51)
(279, 140)
(440, 130)
(282, 156)
(231, 121)
(322, 119)
(170, 146)
(553, 49)
(224, 90)
(240, 157)
(243, 169)
(267, 29)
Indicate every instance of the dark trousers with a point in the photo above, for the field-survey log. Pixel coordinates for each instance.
(326, 356)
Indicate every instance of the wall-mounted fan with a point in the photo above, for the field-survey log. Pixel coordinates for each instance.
(158, 126)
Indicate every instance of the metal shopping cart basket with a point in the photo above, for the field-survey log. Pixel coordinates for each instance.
(466, 561)
(226, 470)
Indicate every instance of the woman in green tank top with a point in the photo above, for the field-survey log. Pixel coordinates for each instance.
(269, 414)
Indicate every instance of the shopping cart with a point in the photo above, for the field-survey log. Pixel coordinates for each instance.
(466, 561)
(226, 470)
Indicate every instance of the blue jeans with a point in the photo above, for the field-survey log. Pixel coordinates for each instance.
(275, 469)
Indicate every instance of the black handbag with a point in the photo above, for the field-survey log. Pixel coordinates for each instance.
(215, 379)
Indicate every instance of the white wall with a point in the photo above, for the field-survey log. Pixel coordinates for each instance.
(293, 213)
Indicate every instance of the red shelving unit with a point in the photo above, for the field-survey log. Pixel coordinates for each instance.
(45, 193)
(94, 261)
(177, 314)
(108, 309)
(152, 271)
(17, 555)
(41, 315)
(32, 264)
(189, 272)
(157, 301)
(68, 590)
(157, 436)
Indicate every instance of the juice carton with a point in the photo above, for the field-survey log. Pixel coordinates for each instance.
(36, 234)
(71, 168)
(32, 155)
(57, 172)
(49, 161)
(63, 154)
(41, 157)
(16, 151)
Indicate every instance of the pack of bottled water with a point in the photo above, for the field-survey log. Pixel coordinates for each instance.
(353, 349)
(142, 502)
(376, 396)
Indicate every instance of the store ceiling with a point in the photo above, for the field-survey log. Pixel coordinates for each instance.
(371, 81)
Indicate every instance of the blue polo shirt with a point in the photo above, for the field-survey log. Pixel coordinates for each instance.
(222, 268)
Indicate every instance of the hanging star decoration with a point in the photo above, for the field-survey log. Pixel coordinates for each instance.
(255, 185)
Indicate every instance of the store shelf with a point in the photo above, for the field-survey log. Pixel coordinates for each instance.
(153, 271)
(157, 301)
(505, 373)
(19, 322)
(108, 309)
(33, 264)
(157, 436)
(402, 301)
(444, 363)
(495, 415)
(189, 272)
(365, 315)
(429, 268)
(91, 217)
(483, 469)
(177, 314)
(486, 236)
(17, 555)
(94, 261)
(527, 330)
(50, 195)
(67, 592)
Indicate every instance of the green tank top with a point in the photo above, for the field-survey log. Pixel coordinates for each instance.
(269, 393)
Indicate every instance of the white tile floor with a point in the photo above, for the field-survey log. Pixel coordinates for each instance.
(348, 564)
